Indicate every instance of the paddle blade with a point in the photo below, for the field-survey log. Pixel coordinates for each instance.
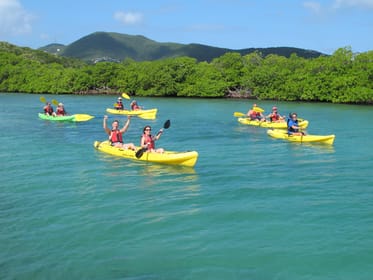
(82, 117)
(55, 102)
(146, 116)
(140, 152)
(238, 114)
(258, 109)
(42, 99)
(167, 124)
(125, 95)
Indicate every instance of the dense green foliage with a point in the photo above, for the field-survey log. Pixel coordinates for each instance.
(343, 77)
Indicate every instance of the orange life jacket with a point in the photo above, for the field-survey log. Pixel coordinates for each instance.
(274, 117)
(60, 112)
(149, 140)
(116, 136)
(48, 109)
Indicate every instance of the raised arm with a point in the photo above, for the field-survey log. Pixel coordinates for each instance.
(107, 130)
(126, 125)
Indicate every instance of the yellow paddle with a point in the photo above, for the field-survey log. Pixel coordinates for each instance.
(42, 99)
(82, 117)
(55, 102)
(238, 114)
(147, 116)
(126, 96)
(258, 109)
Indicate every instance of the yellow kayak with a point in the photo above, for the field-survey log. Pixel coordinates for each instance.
(144, 114)
(279, 125)
(188, 158)
(282, 134)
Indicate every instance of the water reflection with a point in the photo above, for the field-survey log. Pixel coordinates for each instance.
(150, 169)
(313, 147)
(150, 173)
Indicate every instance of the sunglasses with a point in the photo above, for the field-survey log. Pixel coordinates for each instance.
(149, 129)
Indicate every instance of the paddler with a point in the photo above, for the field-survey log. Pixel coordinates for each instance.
(119, 104)
(274, 116)
(48, 109)
(60, 111)
(255, 114)
(116, 134)
(135, 106)
(148, 141)
(293, 126)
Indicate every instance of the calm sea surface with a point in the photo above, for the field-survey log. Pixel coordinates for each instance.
(252, 208)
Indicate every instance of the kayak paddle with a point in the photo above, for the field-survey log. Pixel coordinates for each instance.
(141, 151)
(82, 117)
(42, 99)
(258, 109)
(126, 96)
(238, 114)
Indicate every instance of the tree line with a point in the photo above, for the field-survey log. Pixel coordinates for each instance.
(343, 77)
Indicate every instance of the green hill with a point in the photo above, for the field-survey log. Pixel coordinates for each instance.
(110, 46)
(45, 56)
(53, 48)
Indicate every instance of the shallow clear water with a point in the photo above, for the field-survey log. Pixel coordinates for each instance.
(252, 208)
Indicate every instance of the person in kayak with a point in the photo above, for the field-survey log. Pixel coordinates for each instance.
(48, 110)
(293, 126)
(255, 115)
(274, 116)
(116, 134)
(60, 111)
(119, 105)
(148, 141)
(135, 106)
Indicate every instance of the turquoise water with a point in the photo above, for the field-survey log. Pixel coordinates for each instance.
(252, 208)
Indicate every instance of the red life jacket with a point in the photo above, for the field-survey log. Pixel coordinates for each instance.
(48, 109)
(60, 112)
(116, 136)
(254, 115)
(119, 106)
(274, 117)
(149, 140)
(135, 107)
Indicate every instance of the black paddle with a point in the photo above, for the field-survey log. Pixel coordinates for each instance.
(141, 151)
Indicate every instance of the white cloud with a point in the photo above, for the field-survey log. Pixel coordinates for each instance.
(14, 19)
(315, 7)
(128, 17)
(353, 3)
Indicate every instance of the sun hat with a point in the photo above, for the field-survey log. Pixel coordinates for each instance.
(60, 104)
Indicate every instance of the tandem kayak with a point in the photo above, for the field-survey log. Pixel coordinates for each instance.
(188, 158)
(279, 125)
(144, 114)
(70, 118)
(309, 138)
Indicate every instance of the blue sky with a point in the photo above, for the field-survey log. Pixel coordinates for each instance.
(321, 25)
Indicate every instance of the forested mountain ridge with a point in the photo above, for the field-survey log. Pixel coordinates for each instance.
(343, 77)
(116, 47)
